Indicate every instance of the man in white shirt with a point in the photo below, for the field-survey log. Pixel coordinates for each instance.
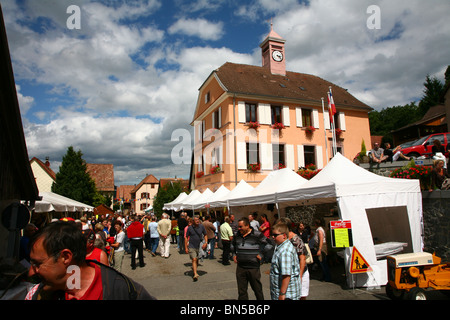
(119, 251)
(164, 228)
(253, 222)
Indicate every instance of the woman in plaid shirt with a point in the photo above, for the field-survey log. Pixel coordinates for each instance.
(285, 268)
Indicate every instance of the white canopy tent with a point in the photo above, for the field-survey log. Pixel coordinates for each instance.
(179, 199)
(191, 196)
(241, 190)
(380, 209)
(198, 202)
(52, 202)
(218, 194)
(269, 190)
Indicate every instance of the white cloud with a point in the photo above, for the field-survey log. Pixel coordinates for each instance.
(201, 28)
(132, 84)
(25, 102)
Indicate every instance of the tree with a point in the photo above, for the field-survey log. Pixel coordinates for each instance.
(166, 194)
(432, 94)
(72, 180)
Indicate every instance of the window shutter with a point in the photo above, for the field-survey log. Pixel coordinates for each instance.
(327, 120)
(213, 116)
(298, 117)
(241, 111)
(219, 113)
(266, 156)
(285, 116)
(300, 156)
(315, 116)
(319, 157)
(342, 120)
(290, 156)
(241, 155)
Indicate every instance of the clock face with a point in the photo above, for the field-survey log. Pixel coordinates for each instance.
(277, 55)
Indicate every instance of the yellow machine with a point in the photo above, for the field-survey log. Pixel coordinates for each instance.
(411, 274)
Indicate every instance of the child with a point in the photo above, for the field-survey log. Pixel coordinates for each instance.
(285, 269)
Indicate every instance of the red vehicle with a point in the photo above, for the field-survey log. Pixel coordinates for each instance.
(422, 147)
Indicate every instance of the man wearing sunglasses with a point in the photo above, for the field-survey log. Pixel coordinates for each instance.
(57, 258)
(248, 245)
(285, 268)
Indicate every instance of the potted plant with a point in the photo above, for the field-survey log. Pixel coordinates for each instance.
(199, 174)
(215, 169)
(279, 166)
(278, 125)
(255, 167)
(338, 132)
(253, 125)
(310, 129)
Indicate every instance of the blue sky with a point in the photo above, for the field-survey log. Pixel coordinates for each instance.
(121, 84)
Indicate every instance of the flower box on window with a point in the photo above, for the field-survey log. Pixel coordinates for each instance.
(253, 125)
(278, 125)
(310, 129)
(279, 166)
(254, 167)
(215, 169)
(199, 174)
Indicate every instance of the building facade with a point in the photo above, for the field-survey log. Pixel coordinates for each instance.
(144, 193)
(43, 174)
(250, 120)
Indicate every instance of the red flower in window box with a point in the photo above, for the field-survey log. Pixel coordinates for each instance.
(279, 166)
(215, 169)
(310, 129)
(338, 132)
(253, 125)
(199, 174)
(254, 167)
(278, 125)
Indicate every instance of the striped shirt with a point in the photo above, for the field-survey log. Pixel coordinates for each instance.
(285, 263)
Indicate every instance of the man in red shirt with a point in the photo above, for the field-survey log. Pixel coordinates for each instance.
(57, 258)
(135, 233)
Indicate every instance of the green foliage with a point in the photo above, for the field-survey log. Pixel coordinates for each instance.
(363, 150)
(166, 194)
(72, 180)
(392, 118)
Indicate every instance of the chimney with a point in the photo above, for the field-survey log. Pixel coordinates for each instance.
(47, 163)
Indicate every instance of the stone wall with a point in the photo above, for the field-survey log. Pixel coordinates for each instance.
(436, 220)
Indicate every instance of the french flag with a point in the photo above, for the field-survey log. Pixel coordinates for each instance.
(331, 105)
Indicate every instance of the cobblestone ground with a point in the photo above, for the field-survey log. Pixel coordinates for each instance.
(171, 279)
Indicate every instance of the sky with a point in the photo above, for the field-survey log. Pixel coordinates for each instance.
(117, 78)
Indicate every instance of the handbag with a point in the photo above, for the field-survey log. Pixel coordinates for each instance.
(309, 257)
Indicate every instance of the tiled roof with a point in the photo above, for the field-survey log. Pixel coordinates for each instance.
(44, 167)
(102, 174)
(124, 192)
(102, 210)
(184, 183)
(147, 180)
(259, 81)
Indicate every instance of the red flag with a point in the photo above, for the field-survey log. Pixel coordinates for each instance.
(331, 106)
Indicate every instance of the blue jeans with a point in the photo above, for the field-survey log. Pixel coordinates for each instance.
(154, 244)
(212, 243)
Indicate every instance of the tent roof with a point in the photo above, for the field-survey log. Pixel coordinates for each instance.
(55, 202)
(241, 189)
(169, 205)
(221, 192)
(198, 202)
(266, 192)
(351, 179)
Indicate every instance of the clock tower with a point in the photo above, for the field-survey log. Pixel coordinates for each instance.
(273, 56)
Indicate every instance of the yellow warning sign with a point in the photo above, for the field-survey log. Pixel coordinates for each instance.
(358, 263)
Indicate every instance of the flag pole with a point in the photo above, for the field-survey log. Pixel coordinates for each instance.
(333, 126)
(325, 130)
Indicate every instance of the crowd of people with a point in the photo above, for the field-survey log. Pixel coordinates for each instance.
(99, 249)
(440, 177)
